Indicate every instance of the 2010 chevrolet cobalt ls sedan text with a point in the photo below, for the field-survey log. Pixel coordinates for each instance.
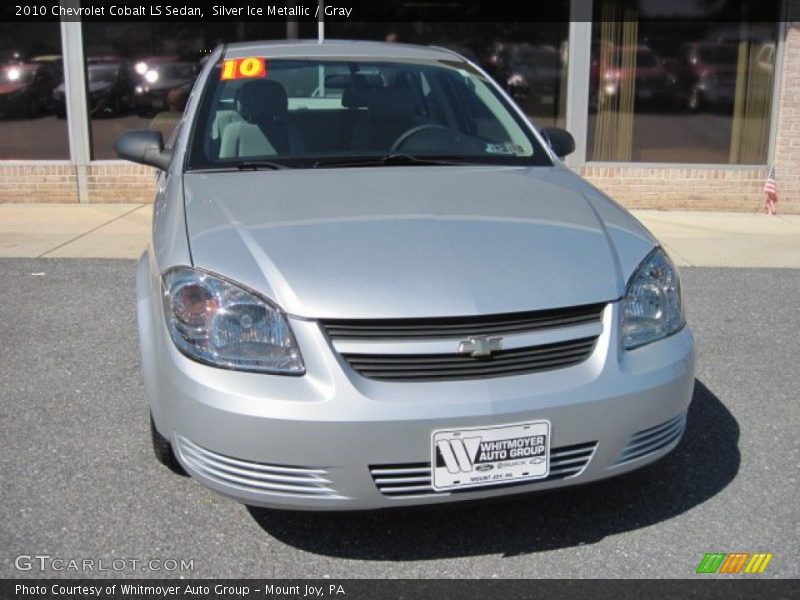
(371, 283)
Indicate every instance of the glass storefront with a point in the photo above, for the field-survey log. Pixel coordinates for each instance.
(30, 71)
(694, 91)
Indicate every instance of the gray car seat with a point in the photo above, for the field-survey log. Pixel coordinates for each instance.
(263, 130)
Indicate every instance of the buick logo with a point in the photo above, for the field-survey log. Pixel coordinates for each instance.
(480, 346)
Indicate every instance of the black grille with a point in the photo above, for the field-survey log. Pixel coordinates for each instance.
(458, 327)
(430, 367)
(414, 479)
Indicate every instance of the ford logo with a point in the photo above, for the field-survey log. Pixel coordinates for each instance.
(484, 468)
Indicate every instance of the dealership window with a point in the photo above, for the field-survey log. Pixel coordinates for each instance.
(692, 91)
(528, 59)
(139, 75)
(30, 72)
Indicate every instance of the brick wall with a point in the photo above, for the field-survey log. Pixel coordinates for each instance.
(120, 182)
(684, 189)
(787, 144)
(38, 182)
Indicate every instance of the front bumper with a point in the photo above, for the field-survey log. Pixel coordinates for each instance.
(334, 440)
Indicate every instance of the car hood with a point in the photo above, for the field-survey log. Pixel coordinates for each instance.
(399, 242)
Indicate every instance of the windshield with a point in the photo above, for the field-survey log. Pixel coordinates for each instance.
(304, 113)
(176, 71)
(102, 74)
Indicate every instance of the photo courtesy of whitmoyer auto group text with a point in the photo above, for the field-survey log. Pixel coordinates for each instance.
(400, 299)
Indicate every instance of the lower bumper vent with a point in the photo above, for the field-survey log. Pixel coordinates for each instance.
(653, 439)
(255, 477)
(414, 479)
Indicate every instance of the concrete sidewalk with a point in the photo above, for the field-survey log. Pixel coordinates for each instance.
(121, 231)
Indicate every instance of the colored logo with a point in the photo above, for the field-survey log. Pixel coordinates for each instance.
(735, 562)
(243, 68)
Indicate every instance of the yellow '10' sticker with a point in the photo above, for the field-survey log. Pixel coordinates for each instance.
(243, 68)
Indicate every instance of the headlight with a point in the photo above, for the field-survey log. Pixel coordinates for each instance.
(224, 325)
(653, 304)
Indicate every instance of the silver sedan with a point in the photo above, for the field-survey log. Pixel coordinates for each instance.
(372, 283)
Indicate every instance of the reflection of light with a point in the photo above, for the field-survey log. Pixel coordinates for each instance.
(151, 76)
(141, 67)
(139, 89)
(14, 74)
(611, 89)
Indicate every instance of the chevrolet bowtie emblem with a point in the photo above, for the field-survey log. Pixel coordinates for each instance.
(480, 346)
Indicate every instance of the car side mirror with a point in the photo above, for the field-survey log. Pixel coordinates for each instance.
(560, 140)
(143, 146)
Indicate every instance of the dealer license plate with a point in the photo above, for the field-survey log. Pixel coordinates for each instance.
(463, 458)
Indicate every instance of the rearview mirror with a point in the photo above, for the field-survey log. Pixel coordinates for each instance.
(560, 140)
(143, 146)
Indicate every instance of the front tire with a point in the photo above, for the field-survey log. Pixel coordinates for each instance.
(163, 450)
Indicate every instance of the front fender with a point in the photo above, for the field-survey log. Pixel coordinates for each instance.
(145, 296)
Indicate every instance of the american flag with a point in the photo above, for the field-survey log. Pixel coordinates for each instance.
(771, 191)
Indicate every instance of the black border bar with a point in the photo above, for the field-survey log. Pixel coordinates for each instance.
(374, 10)
(702, 588)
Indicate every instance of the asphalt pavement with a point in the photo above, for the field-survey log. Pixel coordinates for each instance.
(79, 480)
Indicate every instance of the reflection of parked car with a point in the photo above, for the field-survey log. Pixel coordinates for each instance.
(145, 63)
(152, 91)
(110, 89)
(529, 73)
(651, 80)
(49, 59)
(26, 89)
(9, 56)
(706, 73)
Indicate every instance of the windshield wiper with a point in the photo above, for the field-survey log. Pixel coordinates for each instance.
(255, 165)
(244, 165)
(388, 160)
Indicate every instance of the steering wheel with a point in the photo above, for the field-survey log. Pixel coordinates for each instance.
(408, 134)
